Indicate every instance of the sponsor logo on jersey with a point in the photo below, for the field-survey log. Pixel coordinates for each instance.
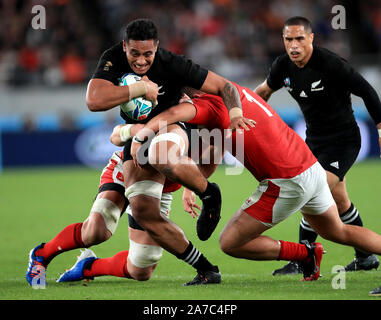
(314, 86)
(303, 94)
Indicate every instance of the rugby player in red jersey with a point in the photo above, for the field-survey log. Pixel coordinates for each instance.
(290, 179)
(144, 253)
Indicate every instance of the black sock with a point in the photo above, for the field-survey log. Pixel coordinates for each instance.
(306, 232)
(196, 259)
(352, 217)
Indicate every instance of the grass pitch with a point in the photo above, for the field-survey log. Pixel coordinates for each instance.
(36, 204)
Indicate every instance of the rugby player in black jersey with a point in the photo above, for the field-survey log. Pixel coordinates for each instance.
(140, 53)
(321, 82)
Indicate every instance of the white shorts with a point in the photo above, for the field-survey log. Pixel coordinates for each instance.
(165, 204)
(276, 199)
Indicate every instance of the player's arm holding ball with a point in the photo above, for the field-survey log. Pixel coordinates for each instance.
(103, 95)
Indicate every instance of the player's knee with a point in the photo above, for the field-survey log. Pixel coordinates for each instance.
(143, 258)
(225, 244)
(143, 275)
(94, 233)
(141, 208)
(107, 210)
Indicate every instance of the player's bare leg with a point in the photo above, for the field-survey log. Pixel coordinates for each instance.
(330, 227)
(242, 238)
(94, 228)
(144, 194)
(168, 156)
(171, 160)
(98, 227)
(339, 192)
(137, 263)
(349, 215)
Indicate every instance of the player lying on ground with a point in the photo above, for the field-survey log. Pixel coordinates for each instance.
(138, 262)
(290, 179)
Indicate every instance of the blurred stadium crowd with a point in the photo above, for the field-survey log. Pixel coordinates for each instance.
(236, 38)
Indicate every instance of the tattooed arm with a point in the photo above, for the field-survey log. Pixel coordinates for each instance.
(217, 85)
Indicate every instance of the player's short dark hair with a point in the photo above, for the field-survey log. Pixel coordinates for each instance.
(298, 21)
(141, 29)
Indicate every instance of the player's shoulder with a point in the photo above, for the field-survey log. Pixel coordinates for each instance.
(115, 51)
(167, 57)
(281, 63)
(328, 57)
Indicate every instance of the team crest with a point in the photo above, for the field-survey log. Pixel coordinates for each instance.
(287, 84)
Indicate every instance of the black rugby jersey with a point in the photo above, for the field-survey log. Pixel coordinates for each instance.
(322, 89)
(168, 70)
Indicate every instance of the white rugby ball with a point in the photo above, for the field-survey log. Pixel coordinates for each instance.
(137, 108)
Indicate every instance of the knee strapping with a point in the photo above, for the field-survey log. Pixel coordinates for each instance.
(169, 136)
(144, 255)
(146, 187)
(110, 212)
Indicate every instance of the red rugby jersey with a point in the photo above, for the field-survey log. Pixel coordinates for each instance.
(271, 149)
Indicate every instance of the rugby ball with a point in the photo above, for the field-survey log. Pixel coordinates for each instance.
(137, 108)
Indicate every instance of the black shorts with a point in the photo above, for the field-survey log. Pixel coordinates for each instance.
(337, 153)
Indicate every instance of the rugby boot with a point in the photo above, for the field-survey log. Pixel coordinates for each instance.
(368, 263)
(210, 213)
(311, 265)
(36, 271)
(290, 268)
(375, 292)
(205, 277)
(76, 272)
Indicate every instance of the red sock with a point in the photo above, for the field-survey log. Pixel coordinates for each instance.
(292, 251)
(69, 238)
(113, 266)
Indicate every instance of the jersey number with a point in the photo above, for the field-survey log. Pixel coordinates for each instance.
(250, 98)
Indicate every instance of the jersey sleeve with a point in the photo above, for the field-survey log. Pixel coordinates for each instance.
(274, 78)
(360, 87)
(204, 112)
(107, 68)
(210, 112)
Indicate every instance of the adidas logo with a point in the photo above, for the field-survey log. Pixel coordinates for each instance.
(303, 94)
(335, 164)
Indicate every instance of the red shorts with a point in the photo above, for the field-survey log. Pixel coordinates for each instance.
(113, 173)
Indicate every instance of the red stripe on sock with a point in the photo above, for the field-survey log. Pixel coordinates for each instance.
(292, 251)
(113, 266)
(68, 239)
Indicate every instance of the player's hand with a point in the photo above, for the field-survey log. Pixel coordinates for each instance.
(152, 90)
(135, 147)
(189, 202)
(239, 123)
(184, 98)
